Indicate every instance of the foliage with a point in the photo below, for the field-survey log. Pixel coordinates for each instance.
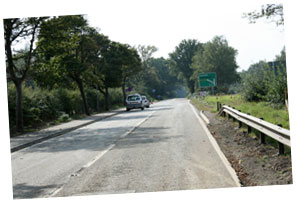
(268, 11)
(145, 80)
(65, 52)
(18, 62)
(38, 106)
(154, 75)
(167, 84)
(276, 86)
(257, 109)
(42, 105)
(181, 60)
(253, 82)
(234, 88)
(263, 82)
(217, 56)
(76, 70)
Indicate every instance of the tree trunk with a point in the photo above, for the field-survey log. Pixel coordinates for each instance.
(97, 99)
(19, 107)
(82, 92)
(124, 92)
(106, 99)
(191, 86)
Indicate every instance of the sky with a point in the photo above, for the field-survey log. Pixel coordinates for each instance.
(165, 24)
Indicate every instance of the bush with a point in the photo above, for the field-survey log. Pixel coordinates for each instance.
(42, 105)
(262, 84)
(64, 117)
(116, 97)
(38, 106)
(277, 86)
(253, 87)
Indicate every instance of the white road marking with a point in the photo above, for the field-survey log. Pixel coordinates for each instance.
(55, 192)
(217, 148)
(204, 117)
(98, 156)
(106, 192)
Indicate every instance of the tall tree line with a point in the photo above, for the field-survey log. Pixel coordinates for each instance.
(65, 51)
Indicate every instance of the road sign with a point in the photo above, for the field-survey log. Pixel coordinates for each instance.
(154, 90)
(207, 79)
(128, 89)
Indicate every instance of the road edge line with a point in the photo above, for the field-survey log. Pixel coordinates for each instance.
(204, 117)
(217, 148)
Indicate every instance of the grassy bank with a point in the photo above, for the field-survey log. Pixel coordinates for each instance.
(257, 109)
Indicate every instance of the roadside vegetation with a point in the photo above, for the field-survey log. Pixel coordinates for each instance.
(66, 69)
(260, 90)
(257, 109)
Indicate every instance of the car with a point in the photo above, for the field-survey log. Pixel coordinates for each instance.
(134, 101)
(146, 102)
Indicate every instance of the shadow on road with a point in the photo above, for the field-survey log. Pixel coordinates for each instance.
(21, 191)
(146, 135)
(99, 139)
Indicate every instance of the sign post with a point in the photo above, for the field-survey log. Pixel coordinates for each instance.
(154, 91)
(208, 80)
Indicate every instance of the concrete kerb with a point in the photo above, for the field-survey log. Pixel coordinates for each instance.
(204, 117)
(217, 148)
(61, 132)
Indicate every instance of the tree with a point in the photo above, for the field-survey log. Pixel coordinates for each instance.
(145, 79)
(181, 60)
(16, 30)
(131, 65)
(217, 56)
(268, 11)
(253, 82)
(146, 52)
(266, 82)
(64, 52)
(167, 83)
(109, 70)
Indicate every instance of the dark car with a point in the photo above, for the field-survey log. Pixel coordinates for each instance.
(134, 102)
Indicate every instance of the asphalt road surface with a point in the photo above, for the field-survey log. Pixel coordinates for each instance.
(162, 148)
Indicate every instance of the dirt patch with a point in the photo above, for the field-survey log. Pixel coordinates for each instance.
(255, 164)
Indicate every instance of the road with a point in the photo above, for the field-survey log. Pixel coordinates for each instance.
(162, 148)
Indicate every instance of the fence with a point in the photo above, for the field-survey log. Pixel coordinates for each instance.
(281, 135)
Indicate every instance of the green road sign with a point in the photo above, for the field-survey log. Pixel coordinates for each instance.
(207, 79)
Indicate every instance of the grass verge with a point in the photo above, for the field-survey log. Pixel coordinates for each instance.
(257, 109)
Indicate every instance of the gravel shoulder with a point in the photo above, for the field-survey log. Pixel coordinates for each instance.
(255, 164)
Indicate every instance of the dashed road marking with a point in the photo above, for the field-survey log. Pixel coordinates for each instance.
(55, 192)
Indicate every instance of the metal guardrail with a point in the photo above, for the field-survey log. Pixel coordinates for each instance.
(281, 135)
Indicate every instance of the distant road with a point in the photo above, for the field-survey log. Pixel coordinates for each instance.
(162, 148)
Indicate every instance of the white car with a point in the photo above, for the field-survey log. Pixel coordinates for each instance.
(134, 102)
(145, 101)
